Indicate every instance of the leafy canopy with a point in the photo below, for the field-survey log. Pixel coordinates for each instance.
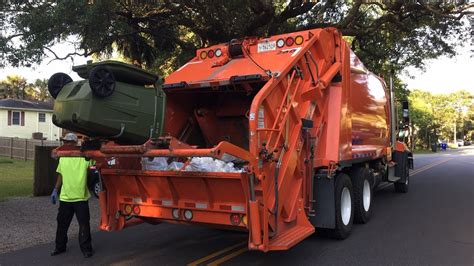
(18, 87)
(161, 35)
(435, 115)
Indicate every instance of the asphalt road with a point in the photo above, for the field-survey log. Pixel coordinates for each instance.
(431, 225)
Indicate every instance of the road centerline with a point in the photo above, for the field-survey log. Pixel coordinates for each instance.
(426, 167)
(216, 254)
(228, 257)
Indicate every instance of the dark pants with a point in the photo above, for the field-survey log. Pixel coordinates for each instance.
(65, 213)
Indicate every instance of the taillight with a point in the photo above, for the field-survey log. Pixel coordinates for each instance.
(136, 210)
(210, 53)
(188, 215)
(289, 41)
(203, 55)
(244, 220)
(280, 43)
(218, 52)
(235, 219)
(175, 213)
(299, 40)
(127, 210)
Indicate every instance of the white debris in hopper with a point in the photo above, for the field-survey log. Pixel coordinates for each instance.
(158, 163)
(208, 164)
(175, 166)
(197, 164)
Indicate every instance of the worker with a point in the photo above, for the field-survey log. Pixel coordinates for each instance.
(71, 185)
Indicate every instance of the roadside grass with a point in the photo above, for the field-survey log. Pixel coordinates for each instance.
(416, 151)
(16, 178)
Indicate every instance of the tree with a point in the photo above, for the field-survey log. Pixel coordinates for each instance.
(422, 117)
(161, 35)
(15, 87)
(40, 88)
(437, 115)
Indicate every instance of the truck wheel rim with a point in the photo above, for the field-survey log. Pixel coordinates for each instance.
(346, 206)
(366, 195)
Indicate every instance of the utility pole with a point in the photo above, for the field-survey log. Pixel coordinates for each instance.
(455, 141)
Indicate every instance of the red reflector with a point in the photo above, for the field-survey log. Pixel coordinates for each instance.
(289, 41)
(136, 210)
(235, 219)
(210, 54)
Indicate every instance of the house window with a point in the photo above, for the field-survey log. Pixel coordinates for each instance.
(41, 117)
(16, 118)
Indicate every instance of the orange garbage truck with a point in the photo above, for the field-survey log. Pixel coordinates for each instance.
(277, 136)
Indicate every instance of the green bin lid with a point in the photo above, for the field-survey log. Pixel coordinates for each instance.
(122, 72)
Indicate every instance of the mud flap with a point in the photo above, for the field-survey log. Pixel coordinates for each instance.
(401, 158)
(325, 204)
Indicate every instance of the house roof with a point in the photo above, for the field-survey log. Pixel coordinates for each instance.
(25, 105)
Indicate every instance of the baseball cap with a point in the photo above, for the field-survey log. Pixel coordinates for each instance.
(70, 137)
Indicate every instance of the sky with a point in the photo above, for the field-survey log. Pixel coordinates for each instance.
(445, 75)
(442, 75)
(47, 68)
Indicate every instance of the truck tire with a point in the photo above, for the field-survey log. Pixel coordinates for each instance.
(344, 207)
(403, 187)
(56, 82)
(362, 182)
(102, 82)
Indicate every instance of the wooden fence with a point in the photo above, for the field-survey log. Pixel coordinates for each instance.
(22, 148)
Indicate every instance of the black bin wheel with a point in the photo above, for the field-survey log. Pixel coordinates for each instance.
(101, 81)
(56, 82)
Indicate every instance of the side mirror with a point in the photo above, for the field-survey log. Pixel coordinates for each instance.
(406, 117)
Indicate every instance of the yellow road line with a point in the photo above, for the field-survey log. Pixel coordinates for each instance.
(429, 166)
(426, 167)
(215, 254)
(228, 257)
(422, 168)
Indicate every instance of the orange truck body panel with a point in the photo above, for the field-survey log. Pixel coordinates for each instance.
(255, 105)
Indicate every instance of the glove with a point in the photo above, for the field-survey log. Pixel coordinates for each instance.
(54, 196)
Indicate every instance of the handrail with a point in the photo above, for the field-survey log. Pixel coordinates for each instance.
(223, 151)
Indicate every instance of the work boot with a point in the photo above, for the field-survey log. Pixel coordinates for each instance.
(88, 254)
(57, 251)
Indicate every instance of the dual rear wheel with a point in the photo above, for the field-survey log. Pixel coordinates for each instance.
(353, 198)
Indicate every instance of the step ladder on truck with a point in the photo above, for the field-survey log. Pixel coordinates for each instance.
(310, 129)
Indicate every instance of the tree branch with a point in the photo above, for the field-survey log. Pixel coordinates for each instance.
(353, 12)
(69, 55)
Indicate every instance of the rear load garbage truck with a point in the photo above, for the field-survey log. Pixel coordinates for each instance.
(277, 136)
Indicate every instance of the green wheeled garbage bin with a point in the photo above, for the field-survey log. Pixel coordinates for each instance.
(115, 101)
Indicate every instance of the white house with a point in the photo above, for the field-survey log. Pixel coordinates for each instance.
(21, 118)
